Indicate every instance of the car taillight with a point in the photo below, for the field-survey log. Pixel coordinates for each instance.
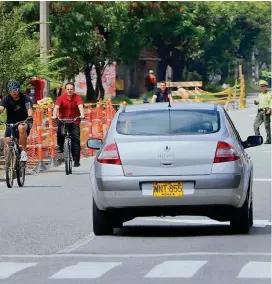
(225, 153)
(109, 155)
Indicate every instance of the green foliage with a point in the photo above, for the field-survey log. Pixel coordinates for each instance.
(197, 39)
(206, 38)
(89, 35)
(266, 75)
(120, 99)
(213, 88)
(19, 57)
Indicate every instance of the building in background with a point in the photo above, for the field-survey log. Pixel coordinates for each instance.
(119, 79)
(108, 81)
(132, 78)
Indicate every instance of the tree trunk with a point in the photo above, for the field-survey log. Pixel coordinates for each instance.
(163, 53)
(224, 73)
(177, 64)
(91, 94)
(99, 86)
(162, 69)
(178, 67)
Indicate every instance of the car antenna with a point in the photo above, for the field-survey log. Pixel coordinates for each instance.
(169, 104)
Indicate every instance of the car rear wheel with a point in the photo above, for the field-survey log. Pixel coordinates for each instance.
(101, 222)
(251, 212)
(242, 218)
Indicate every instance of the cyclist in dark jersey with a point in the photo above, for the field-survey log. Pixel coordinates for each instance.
(162, 94)
(19, 108)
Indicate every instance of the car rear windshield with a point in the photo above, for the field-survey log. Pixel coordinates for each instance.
(168, 122)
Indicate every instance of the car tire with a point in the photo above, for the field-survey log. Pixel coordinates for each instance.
(240, 221)
(251, 212)
(101, 222)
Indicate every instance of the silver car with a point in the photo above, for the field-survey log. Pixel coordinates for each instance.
(170, 160)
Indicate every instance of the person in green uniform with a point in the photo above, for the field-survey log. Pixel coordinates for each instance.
(264, 111)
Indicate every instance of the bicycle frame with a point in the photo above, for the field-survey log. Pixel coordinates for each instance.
(67, 122)
(13, 155)
(14, 143)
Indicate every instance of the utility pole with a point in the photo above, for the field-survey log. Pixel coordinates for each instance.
(44, 39)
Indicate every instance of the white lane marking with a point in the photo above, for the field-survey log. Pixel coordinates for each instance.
(9, 268)
(78, 244)
(256, 269)
(80, 255)
(257, 223)
(175, 269)
(262, 179)
(85, 270)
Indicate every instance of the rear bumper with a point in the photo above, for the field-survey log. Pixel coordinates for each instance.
(124, 192)
(212, 181)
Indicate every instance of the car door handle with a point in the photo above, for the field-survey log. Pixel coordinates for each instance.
(167, 163)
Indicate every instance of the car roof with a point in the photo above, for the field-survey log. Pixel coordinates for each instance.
(175, 106)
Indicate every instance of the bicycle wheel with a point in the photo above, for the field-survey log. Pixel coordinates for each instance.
(67, 155)
(10, 164)
(20, 172)
(70, 158)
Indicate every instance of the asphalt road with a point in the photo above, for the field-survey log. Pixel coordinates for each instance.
(46, 235)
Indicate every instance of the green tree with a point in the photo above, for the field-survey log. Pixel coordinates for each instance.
(206, 38)
(89, 33)
(19, 56)
(233, 31)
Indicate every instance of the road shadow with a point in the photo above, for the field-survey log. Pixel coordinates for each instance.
(157, 231)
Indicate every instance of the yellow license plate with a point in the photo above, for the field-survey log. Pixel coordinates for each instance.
(167, 189)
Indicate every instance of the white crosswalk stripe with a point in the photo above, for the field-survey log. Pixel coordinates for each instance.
(85, 270)
(9, 268)
(256, 270)
(176, 269)
(167, 269)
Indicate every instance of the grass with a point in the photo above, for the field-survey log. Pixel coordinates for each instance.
(117, 100)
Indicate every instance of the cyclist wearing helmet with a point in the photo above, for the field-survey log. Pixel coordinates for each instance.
(19, 108)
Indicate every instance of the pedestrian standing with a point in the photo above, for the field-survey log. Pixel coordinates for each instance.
(150, 81)
(264, 111)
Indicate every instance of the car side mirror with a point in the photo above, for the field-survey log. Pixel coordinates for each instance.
(253, 141)
(94, 143)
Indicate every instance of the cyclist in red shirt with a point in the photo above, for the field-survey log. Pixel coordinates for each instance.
(70, 105)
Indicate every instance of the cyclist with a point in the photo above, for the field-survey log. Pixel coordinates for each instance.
(19, 108)
(162, 94)
(69, 105)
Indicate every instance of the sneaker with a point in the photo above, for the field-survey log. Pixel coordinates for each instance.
(23, 156)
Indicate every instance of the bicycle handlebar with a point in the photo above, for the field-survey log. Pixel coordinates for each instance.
(13, 124)
(68, 120)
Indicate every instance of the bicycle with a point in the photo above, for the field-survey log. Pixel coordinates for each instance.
(14, 167)
(68, 143)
